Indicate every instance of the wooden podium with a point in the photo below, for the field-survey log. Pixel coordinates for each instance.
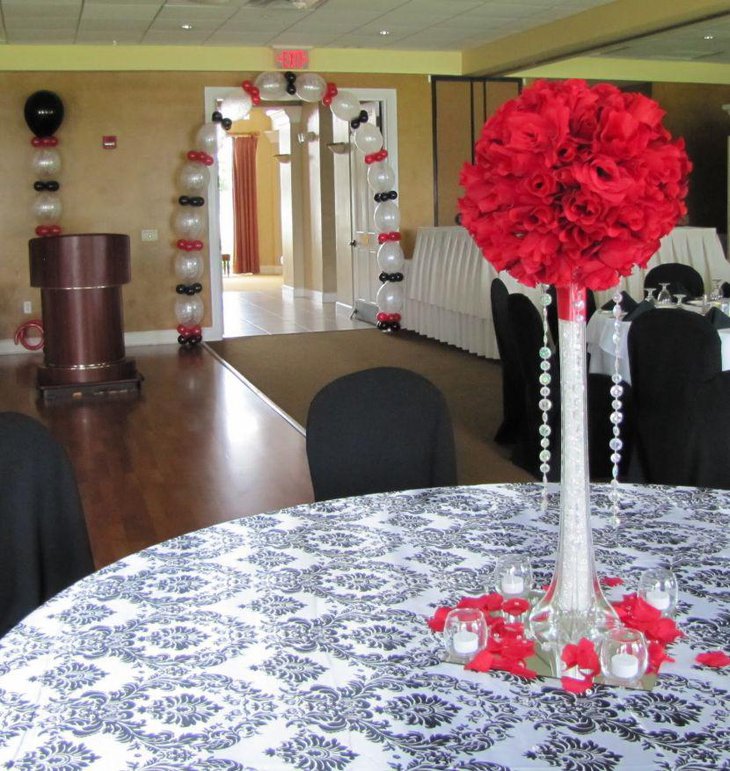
(81, 278)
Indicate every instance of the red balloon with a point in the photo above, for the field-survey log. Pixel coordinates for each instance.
(182, 329)
(41, 230)
(332, 89)
(381, 316)
(36, 142)
(327, 100)
(382, 238)
(247, 85)
(256, 99)
(195, 330)
(198, 245)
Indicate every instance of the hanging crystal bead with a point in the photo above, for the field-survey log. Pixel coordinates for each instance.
(615, 444)
(545, 404)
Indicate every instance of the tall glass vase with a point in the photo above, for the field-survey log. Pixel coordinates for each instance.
(573, 606)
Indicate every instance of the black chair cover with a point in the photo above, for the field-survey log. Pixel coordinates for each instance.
(513, 409)
(528, 331)
(682, 279)
(682, 399)
(379, 430)
(44, 546)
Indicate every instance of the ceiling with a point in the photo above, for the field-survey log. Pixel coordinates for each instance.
(423, 25)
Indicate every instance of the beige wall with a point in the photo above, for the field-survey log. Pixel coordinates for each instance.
(155, 116)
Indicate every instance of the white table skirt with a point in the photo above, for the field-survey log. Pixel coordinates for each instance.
(448, 281)
(298, 640)
(600, 345)
(447, 291)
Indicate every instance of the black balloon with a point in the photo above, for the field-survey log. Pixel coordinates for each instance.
(364, 116)
(217, 116)
(39, 186)
(43, 113)
(226, 123)
(52, 185)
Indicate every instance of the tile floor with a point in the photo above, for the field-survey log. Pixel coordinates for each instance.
(255, 305)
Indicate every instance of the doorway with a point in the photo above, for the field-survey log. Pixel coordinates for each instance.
(332, 306)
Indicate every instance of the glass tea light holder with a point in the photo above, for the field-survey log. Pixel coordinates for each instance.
(513, 576)
(658, 587)
(465, 634)
(624, 656)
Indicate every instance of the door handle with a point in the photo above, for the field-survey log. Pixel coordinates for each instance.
(353, 242)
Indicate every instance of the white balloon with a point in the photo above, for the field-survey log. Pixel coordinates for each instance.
(46, 162)
(193, 178)
(368, 138)
(390, 257)
(188, 223)
(236, 106)
(207, 138)
(345, 106)
(389, 298)
(271, 85)
(47, 208)
(188, 266)
(189, 310)
(387, 216)
(381, 177)
(310, 86)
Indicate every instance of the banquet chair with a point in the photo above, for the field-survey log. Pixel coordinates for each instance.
(681, 398)
(379, 430)
(682, 279)
(44, 546)
(512, 384)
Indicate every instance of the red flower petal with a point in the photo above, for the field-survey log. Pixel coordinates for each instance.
(664, 630)
(713, 659)
(482, 662)
(611, 581)
(572, 685)
(657, 656)
(437, 621)
(516, 606)
(487, 602)
(513, 630)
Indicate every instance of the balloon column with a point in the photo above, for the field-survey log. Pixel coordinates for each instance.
(44, 114)
(188, 224)
(310, 87)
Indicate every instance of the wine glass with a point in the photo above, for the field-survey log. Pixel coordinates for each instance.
(680, 299)
(716, 293)
(665, 296)
(650, 294)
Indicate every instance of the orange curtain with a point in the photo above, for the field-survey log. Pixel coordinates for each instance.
(245, 222)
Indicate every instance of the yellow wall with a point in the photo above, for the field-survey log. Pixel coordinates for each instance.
(155, 116)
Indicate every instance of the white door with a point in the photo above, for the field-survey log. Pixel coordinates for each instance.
(364, 242)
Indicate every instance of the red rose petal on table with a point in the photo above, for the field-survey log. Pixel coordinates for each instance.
(713, 659)
(572, 685)
(516, 606)
(513, 630)
(657, 656)
(471, 602)
(664, 630)
(611, 581)
(493, 601)
(482, 662)
(583, 655)
(437, 621)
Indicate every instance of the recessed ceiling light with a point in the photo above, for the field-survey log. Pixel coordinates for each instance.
(384, 32)
(709, 37)
(186, 26)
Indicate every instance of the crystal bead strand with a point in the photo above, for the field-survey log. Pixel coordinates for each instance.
(616, 444)
(545, 403)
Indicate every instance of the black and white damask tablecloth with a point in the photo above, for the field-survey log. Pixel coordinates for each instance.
(297, 640)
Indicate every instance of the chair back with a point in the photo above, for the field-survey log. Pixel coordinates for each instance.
(44, 546)
(672, 354)
(379, 430)
(682, 279)
(513, 411)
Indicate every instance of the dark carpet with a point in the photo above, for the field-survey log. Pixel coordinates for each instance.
(290, 369)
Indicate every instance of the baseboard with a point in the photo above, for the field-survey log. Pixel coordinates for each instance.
(270, 270)
(150, 337)
(344, 309)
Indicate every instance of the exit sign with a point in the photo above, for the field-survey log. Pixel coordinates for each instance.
(292, 58)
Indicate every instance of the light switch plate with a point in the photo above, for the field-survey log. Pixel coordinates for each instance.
(149, 235)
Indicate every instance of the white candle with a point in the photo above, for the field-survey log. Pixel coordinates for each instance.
(465, 642)
(512, 584)
(659, 599)
(624, 665)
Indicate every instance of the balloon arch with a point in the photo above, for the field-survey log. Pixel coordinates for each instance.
(189, 221)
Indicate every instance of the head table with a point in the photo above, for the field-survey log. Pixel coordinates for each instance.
(297, 639)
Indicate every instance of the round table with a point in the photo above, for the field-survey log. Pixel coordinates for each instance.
(297, 640)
